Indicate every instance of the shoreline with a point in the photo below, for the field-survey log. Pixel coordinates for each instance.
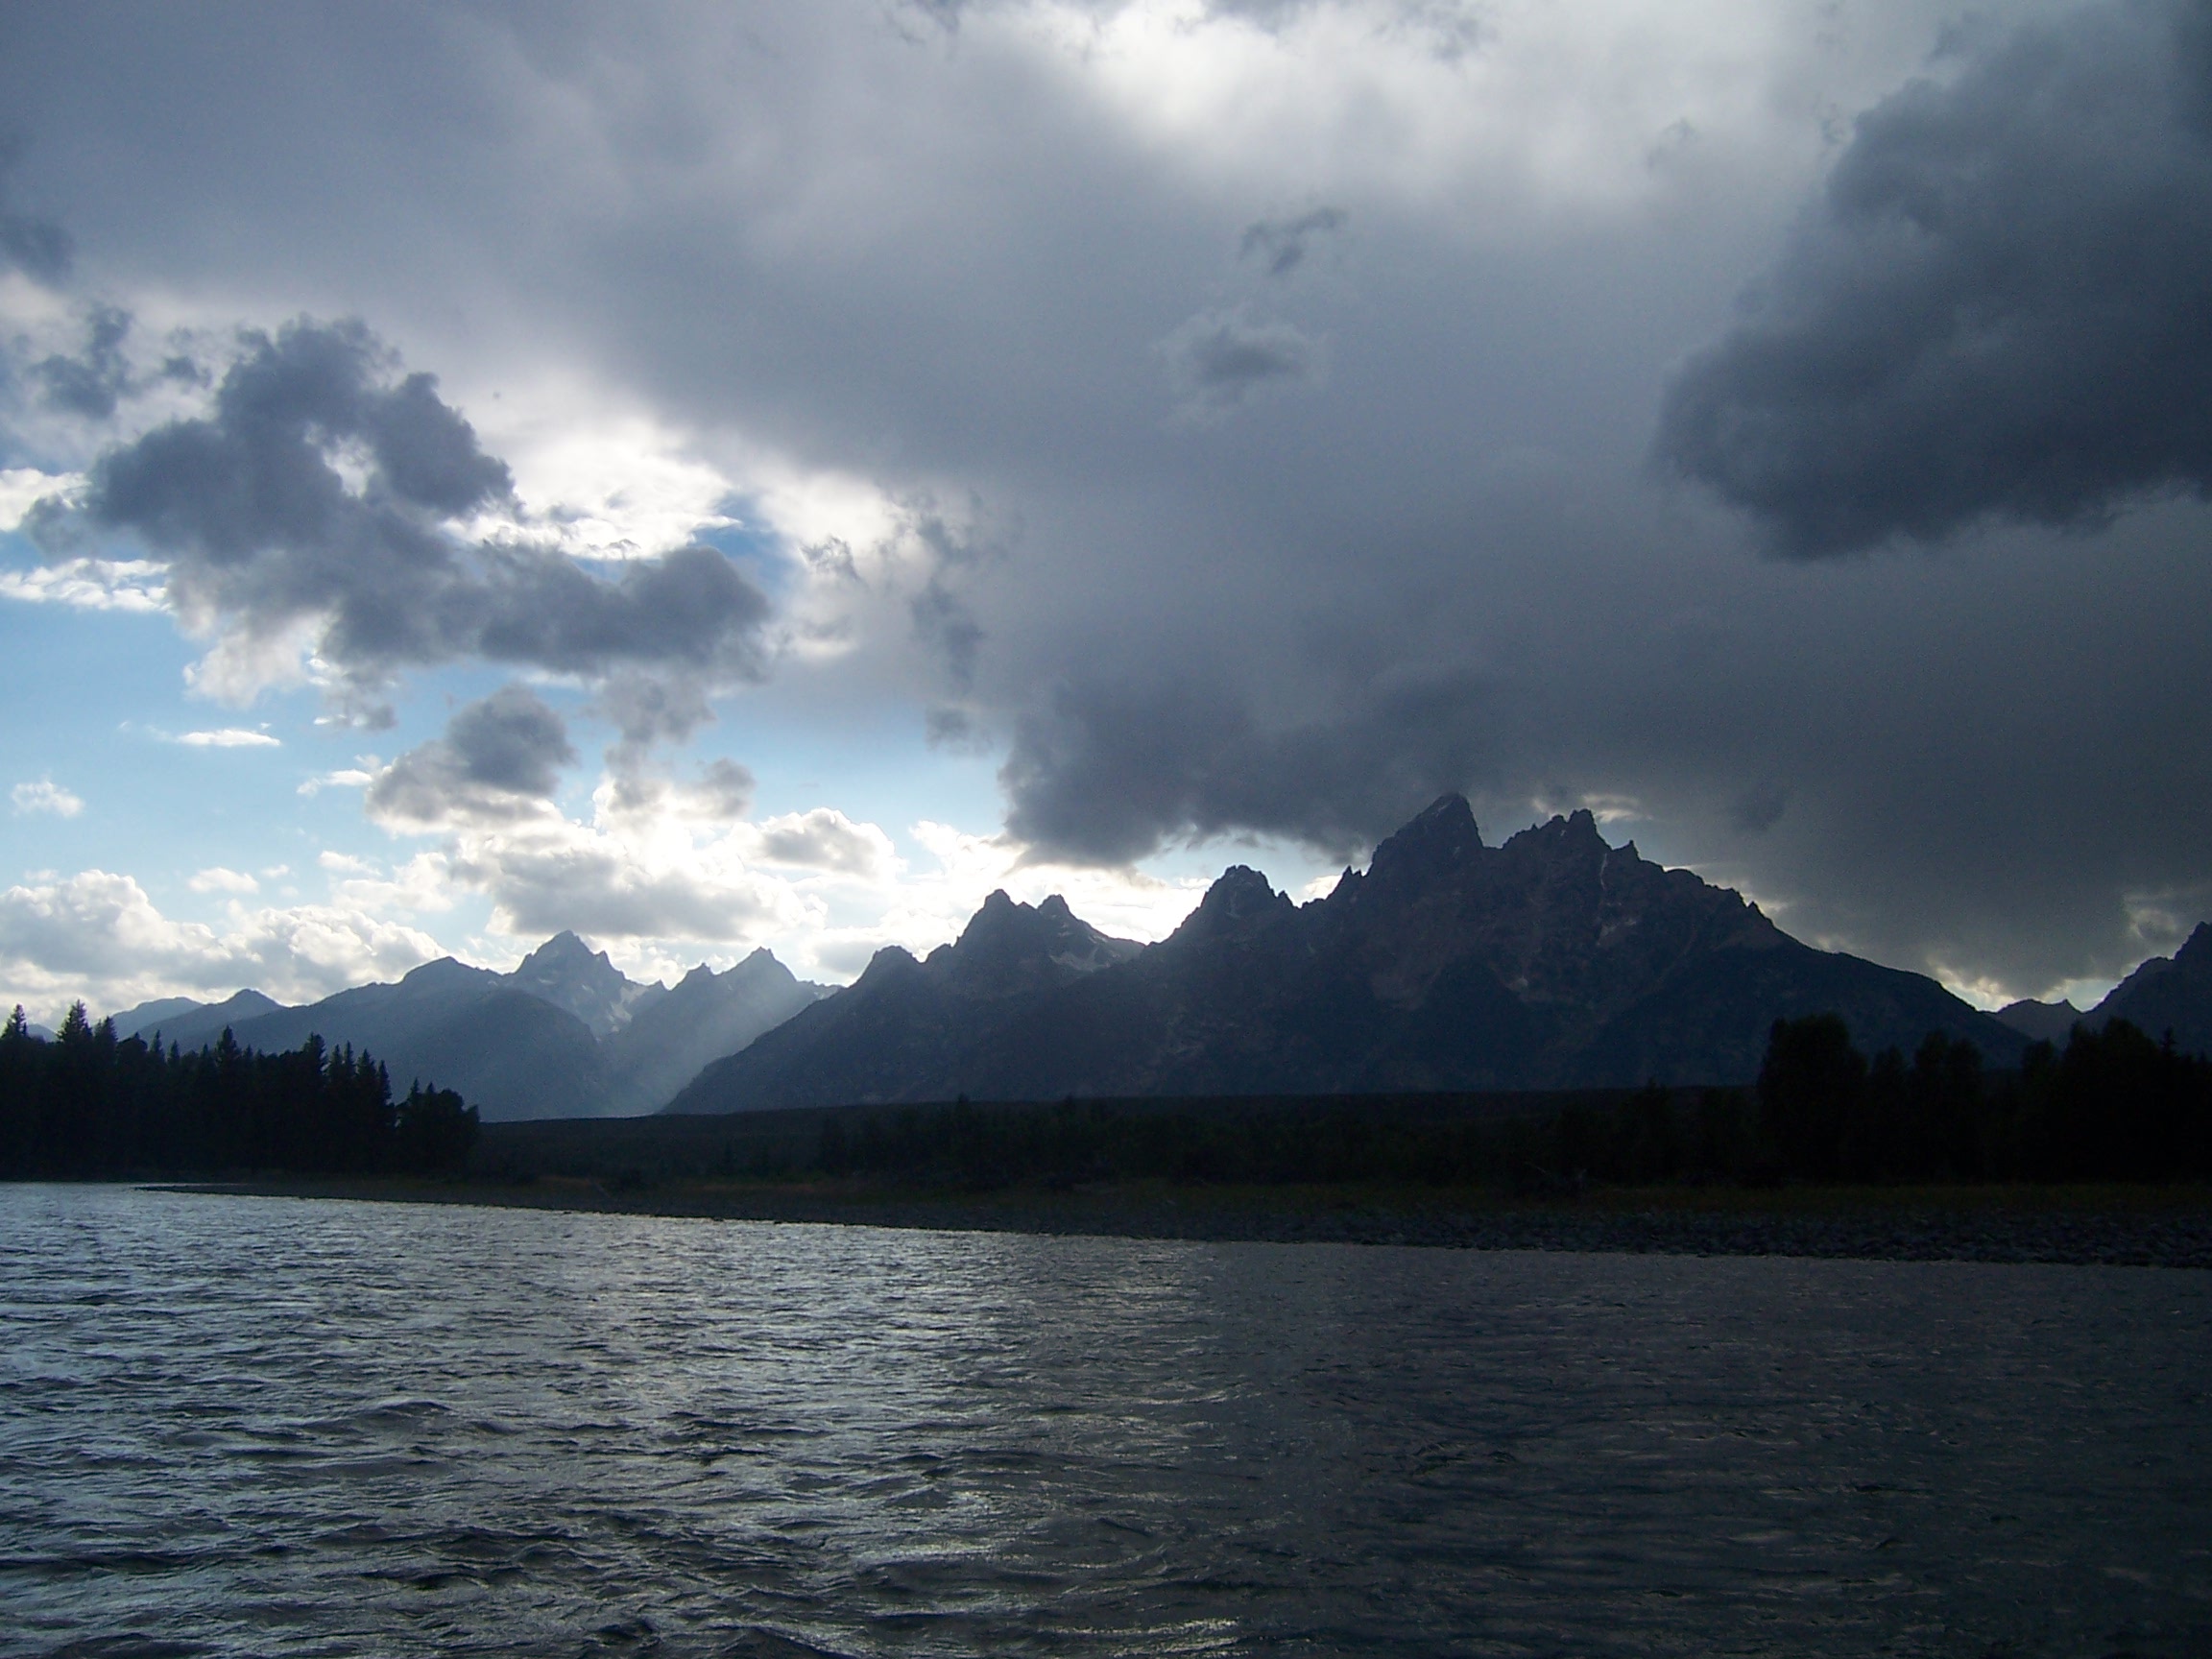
(2108, 1226)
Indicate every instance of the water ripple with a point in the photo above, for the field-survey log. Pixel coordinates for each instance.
(232, 1426)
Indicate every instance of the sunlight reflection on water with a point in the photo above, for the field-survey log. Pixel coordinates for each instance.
(230, 1425)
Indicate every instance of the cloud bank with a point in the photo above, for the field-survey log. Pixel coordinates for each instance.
(1998, 309)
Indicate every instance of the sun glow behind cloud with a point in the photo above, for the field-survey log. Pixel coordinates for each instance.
(1503, 115)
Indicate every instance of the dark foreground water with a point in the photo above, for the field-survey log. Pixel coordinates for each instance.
(267, 1425)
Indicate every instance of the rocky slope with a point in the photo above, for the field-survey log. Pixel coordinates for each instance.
(2168, 994)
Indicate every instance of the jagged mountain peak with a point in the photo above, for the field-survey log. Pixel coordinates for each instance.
(564, 950)
(1442, 838)
(2197, 949)
(567, 957)
(762, 965)
(1575, 837)
(998, 920)
(577, 979)
(890, 962)
(1241, 902)
(1009, 946)
(1553, 961)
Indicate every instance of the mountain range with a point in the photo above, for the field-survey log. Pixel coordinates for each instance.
(2165, 994)
(1554, 960)
(565, 1035)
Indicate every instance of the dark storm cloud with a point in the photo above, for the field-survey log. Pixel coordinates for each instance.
(255, 477)
(262, 528)
(1759, 809)
(953, 553)
(946, 625)
(501, 758)
(1108, 770)
(928, 266)
(1219, 359)
(1280, 244)
(1999, 308)
(510, 741)
(38, 246)
(91, 383)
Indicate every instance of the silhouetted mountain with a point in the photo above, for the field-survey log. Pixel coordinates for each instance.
(190, 1025)
(2168, 994)
(579, 981)
(2050, 1022)
(565, 1035)
(508, 1051)
(1553, 961)
(130, 1022)
(705, 1016)
(903, 1021)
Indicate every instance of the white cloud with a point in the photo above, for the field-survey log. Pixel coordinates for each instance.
(422, 885)
(825, 839)
(217, 879)
(601, 484)
(98, 936)
(663, 874)
(924, 908)
(629, 874)
(244, 662)
(23, 487)
(344, 776)
(91, 584)
(230, 737)
(45, 796)
(1555, 110)
(659, 866)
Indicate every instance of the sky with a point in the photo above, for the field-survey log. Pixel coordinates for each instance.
(715, 476)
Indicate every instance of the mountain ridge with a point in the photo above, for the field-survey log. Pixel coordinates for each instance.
(2167, 993)
(1554, 960)
(565, 1034)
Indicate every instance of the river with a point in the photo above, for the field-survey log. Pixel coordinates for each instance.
(243, 1426)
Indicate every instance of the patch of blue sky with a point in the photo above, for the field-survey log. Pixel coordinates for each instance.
(748, 544)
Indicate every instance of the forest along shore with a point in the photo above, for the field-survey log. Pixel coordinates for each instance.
(2103, 1225)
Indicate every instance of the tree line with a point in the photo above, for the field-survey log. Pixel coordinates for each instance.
(2113, 1105)
(90, 1103)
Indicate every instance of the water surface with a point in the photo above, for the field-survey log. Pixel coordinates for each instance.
(250, 1424)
